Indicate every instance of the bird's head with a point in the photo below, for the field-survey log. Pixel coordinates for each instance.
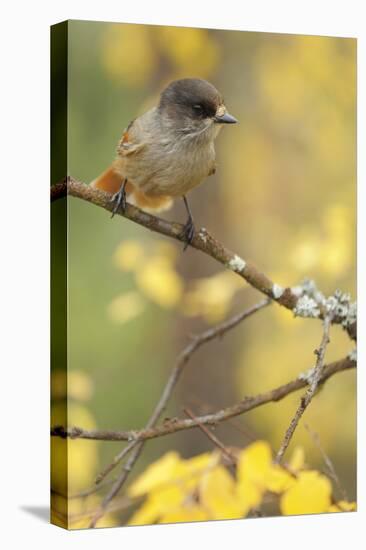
(194, 107)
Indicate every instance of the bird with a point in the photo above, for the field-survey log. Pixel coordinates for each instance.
(167, 151)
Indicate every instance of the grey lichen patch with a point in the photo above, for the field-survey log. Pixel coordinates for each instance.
(311, 299)
(132, 436)
(351, 316)
(353, 355)
(297, 290)
(310, 288)
(340, 305)
(236, 264)
(306, 307)
(203, 234)
(307, 376)
(277, 291)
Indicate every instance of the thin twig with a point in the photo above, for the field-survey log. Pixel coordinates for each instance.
(306, 399)
(202, 241)
(175, 425)
(136, 445)
(229, 455)
(117, 459)
(329, 464)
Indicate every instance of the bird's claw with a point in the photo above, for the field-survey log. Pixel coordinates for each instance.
(188, 233)
(119, 201)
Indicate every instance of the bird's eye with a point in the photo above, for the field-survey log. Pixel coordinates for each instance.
(198, 108)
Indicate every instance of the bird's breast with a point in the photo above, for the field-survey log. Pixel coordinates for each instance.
(172, 166)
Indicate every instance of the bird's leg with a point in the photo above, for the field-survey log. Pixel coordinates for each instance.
(119, 199)
(188, 229)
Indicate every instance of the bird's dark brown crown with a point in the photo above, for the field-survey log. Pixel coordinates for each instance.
(191, 96)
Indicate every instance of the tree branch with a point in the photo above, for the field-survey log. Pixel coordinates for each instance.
(206, 243)
(313, 379)
(304, 300)
(175, 425)
(136, 444)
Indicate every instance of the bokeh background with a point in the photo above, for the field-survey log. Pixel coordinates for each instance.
(283, 196)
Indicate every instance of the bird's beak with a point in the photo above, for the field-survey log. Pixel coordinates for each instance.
(226, 118)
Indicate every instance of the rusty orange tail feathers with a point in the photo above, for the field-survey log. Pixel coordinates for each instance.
(111, 181)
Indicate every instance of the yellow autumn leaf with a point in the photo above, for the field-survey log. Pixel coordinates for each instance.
(311, 494)
(160, 282)
(217, 493)
(157, 504)
(254, 464)
(343, 506)
(155, 475)
(190, 471)
(129, 255)
(278, 480)
(171, 468)
(168, 482)
(185, 513)
(297, 460)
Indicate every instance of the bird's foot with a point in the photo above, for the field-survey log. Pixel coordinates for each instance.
(188, 233)
(119, 200)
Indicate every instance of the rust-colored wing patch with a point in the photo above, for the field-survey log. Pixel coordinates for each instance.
(129, 143)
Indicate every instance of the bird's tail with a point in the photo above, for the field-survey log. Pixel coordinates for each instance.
(111, 181)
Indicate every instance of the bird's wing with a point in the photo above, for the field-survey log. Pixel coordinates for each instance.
(131, 142)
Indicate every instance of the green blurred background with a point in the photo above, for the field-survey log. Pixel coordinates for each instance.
(283, 196)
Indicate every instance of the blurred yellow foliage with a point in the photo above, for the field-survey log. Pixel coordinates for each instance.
(187, 513)
(202, 488)
(74, 461)
(257, 474)
(297, 461)
(343, 506)
(192, 51)
(129, 255)
(80, 385)
(167, 483)
(309, 494)
(125, 307)
(327, 248)
(218, 494)
(211, 297)
(128, 55)
(157, 279)
(170, 468)
(76, 513)
(160, 282)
